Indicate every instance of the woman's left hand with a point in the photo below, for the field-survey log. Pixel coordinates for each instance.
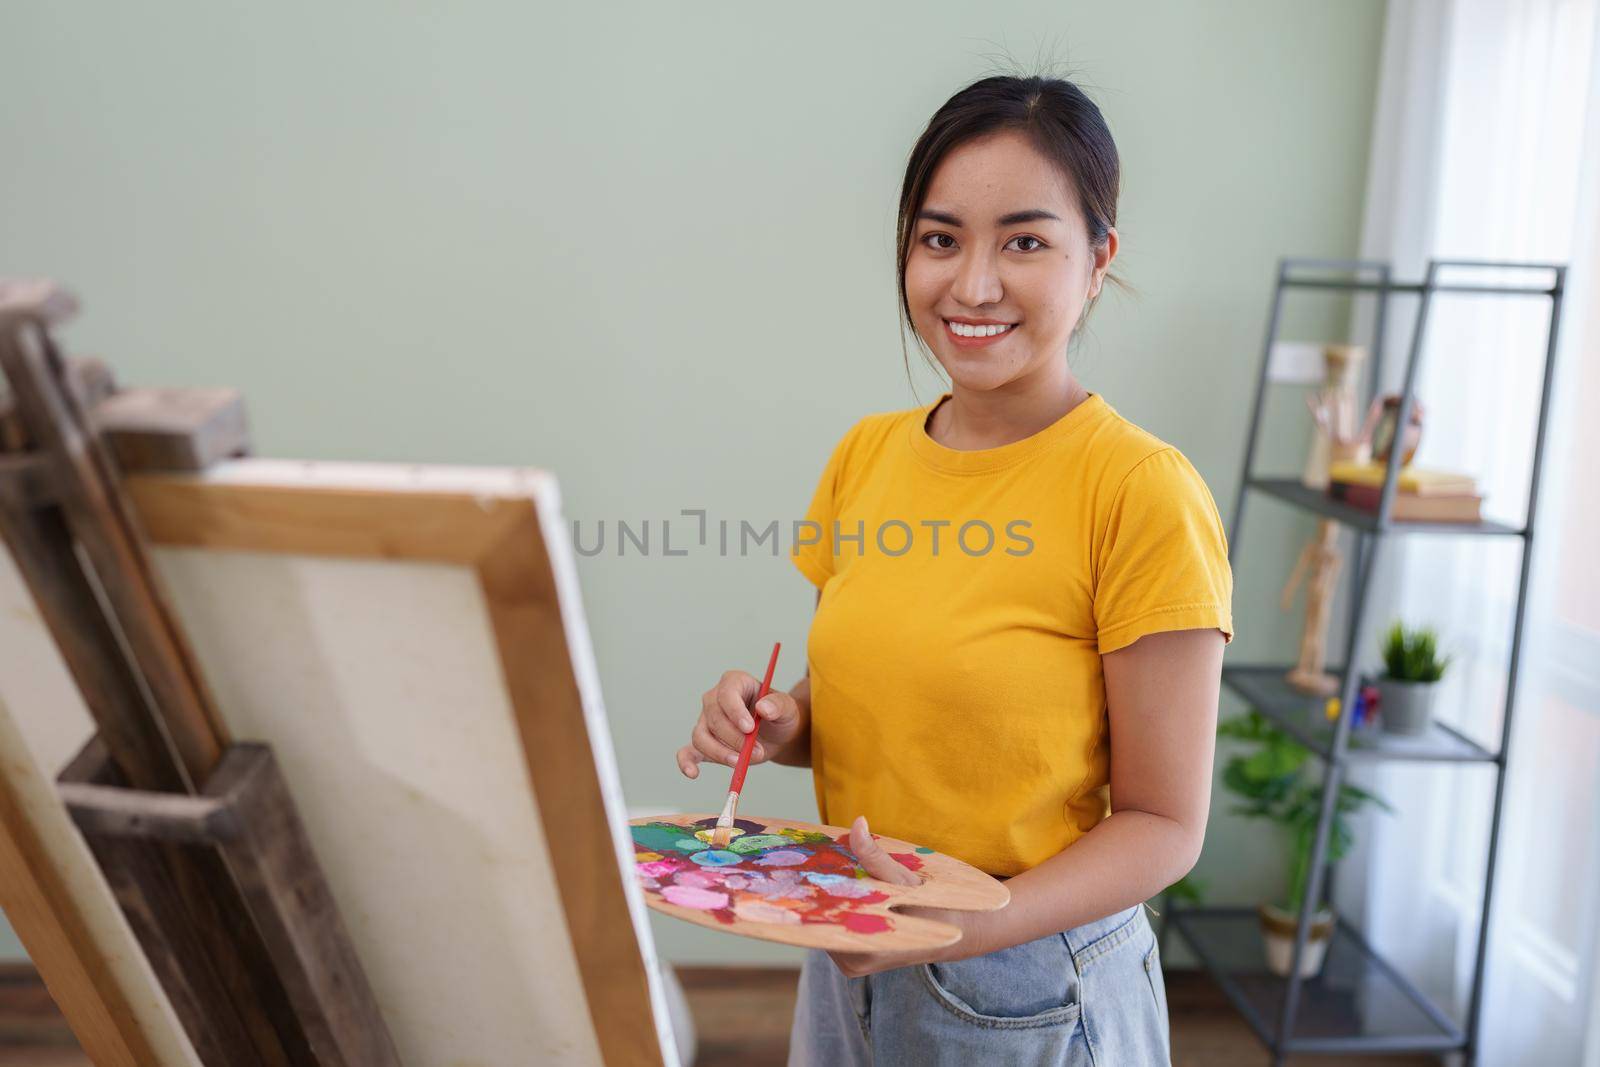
(885, 868)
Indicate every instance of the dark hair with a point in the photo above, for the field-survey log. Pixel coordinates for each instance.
(1061, 122)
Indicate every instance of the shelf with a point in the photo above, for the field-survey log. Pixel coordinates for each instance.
(1358, 1004)
(1415, 287)
(1301, 716)
(1292, 492)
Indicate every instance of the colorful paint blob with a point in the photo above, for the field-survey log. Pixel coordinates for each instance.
(690, 897)
(770, 875)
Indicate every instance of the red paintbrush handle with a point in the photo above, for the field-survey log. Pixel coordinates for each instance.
(750, 738)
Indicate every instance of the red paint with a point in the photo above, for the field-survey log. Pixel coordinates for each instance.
(907, 860)
(859, 923)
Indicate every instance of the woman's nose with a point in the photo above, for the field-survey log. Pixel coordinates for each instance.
(977, 281)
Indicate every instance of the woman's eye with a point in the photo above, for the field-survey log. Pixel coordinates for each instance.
(1027, 237)
(936, 237)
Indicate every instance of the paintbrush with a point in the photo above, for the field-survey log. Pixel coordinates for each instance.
(724, 831)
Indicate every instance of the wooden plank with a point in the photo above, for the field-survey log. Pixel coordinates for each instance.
(107, 811)
(519, 584)
(25, 482)
(248, 812)
(41, 545)
(90, 378)
(195, 513)
(173, 429)
(106, 532)
(270, 855)
(155, 885)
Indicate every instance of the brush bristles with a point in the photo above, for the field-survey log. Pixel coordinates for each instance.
(724, 831)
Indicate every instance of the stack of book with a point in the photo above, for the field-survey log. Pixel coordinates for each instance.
(1420, 495)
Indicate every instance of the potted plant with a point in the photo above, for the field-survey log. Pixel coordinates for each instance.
(1271, 781)
(1412, 668)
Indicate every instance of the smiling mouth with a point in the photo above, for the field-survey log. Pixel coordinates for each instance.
(961, 331)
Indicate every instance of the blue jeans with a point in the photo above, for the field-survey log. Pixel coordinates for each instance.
(1092, 996)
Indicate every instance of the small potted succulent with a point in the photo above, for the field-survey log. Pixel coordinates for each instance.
(1412, 668)
(1270, 780)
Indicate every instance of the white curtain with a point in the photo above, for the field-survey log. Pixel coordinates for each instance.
(1487, 146)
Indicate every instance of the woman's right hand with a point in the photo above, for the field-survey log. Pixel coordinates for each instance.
(726, 716)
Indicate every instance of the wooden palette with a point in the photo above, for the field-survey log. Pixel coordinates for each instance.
(798, 883)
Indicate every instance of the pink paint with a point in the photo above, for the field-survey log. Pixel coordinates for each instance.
(660, 868)
(699, 879)
(690, 897)
(782, 858)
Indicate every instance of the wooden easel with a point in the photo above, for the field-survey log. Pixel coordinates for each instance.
(198, 837)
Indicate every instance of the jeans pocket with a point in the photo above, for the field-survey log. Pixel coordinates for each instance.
(1026, 986)
(1158, 982)
(1125, 1005)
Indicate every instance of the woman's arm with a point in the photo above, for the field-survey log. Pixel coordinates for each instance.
(1161, 696)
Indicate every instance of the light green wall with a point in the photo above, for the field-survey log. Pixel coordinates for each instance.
(10, 947)
(649, 246)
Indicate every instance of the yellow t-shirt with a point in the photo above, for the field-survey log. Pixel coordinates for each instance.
(957, 698)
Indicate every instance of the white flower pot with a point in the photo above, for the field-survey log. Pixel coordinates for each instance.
(1277, 930)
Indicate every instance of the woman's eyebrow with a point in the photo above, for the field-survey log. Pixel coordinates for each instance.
(1013, 219)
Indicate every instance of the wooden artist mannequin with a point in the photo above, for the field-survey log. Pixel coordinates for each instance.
(1319, 565)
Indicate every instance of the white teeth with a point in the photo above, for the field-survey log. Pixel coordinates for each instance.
(962, 329)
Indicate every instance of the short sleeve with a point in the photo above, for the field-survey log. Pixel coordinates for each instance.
(812, 549)
(1163, 560)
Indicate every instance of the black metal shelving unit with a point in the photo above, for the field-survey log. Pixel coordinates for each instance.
(1358, 1003)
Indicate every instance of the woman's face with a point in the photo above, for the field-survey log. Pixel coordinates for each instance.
(1000, 240)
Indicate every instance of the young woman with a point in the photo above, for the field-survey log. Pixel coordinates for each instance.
(1022, 602)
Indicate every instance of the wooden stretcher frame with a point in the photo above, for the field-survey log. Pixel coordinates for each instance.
(437, 515)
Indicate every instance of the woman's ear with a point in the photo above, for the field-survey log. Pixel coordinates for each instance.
(1102, 262)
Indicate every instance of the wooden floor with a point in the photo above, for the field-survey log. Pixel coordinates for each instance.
(741, 1014)
(32, 1031)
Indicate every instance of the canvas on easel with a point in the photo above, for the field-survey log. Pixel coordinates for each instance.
(410, 642)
